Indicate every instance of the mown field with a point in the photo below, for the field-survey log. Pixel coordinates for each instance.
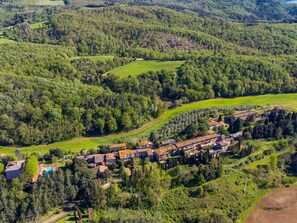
(50, 2)
(95, 58)
(140, 66)
(288, 101)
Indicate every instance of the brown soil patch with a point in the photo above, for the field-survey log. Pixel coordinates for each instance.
(278, 206)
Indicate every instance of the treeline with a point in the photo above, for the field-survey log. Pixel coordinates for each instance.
(119, 29)
(35, 110)
(277, 125)
(215, 75)
(246, 10)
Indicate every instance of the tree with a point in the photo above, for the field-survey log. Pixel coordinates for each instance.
(126, 121)
(2, 167)
(57, 152)
(112, 124)
(31, 167)
(100, 124)
(273, 162)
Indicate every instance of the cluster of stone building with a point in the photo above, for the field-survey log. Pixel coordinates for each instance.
(191, 147)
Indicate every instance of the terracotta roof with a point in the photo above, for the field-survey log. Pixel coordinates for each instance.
(99, 158)
(119, 145)
(125, 153)
(102, 168)
(144, 143)
(213, 123)
(165, 149)
(168, 141)
(223, 143)
(244, 115)
(196, 140)
(149, 151)
(15, 165)
(110, 156)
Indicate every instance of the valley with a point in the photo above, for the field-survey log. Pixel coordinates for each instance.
(159, 111)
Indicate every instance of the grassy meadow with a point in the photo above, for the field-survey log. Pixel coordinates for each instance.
(288, 101)
(50, 2)
(38, 25)
(141, 66)
(95, 58)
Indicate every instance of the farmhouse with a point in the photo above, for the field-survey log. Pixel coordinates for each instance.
(143, 153)
(144, 144)
(110, 158)
(96, 159)
(198, 142)
(212, 124)
(125, 154)
(14, 169)
(243, 116)
(117, 147)
(162, 152)
(168, 142)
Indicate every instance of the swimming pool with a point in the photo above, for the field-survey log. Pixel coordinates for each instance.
(48, 169)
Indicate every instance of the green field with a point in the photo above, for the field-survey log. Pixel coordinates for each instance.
(95, 58)
(50, 2)
(289, 101)
(4, 40)
(37, 25)
(140, 66)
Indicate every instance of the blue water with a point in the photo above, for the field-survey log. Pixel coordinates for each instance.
(49, 169)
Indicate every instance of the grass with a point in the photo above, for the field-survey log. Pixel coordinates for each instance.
(139, 66)
(288, 101)
(38, 25)
(4, 40)
(50, 2)
(95, 58)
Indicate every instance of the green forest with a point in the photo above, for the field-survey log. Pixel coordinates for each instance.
(96, 68)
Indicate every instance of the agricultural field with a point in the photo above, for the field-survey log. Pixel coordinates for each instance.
(50, 2)
(140, 66)
(95, 58)
(288, 101)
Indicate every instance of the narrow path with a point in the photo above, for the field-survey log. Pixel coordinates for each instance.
(55, 217)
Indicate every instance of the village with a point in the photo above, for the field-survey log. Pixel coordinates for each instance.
(216, 144)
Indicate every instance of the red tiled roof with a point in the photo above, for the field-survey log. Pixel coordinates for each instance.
(125, 152)
(196, 140)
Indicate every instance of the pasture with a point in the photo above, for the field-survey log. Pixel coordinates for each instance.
(288, 101)
(38, 25)
(50, 2)
(141, 66)
(95, 58)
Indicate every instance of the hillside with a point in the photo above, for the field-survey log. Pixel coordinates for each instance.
(215, 57)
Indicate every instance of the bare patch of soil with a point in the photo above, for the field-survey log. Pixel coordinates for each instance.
(278, 206)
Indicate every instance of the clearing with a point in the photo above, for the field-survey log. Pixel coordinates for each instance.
(141, 66)
(278, 205)
(50, 2)
(95, 58)
(288, 101)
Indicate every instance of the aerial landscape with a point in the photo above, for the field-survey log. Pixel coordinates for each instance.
(148, 111)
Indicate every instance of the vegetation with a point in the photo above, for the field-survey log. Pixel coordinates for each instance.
(138, 67)
(78, 77)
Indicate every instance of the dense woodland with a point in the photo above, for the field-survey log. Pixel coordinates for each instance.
(50, 94)
(51, 91)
